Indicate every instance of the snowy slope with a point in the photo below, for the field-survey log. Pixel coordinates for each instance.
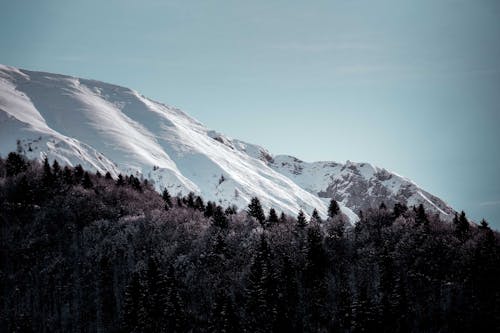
(110, 128)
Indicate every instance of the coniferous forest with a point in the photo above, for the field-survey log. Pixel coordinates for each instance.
(84, 252)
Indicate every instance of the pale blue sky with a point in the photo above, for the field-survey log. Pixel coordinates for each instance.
(413, 86)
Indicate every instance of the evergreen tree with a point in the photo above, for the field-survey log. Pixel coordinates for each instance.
(255, 210)
(209, 209)
(47, 176)
(301, 220)
(15, 164)
(157, 291)
(219, 218)
(189, 201)
(133, 305)
(56, 169)
(167, 199)
(461, 226)
(315, 216)
(282, 217)
(223, 318)
(107, 176)
(67, 175)
(87, 182)
(399, 209)
(78, 173)
(107, 303)
(199, 204)
(421, 216)
(333, 209)
(260, 292)
(120, 181)
(273, 217)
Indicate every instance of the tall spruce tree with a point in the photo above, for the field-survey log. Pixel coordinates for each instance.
(273, 217)
(301, 220)
(255, 210)
(333, 209)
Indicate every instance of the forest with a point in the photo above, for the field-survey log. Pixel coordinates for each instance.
(84, 252)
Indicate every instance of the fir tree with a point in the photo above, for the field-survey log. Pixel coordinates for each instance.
(167, 199)
(87, 182)
(120, 181)
(223, 318)
(315, 216)
(421, 216)
(47, 176)
(133, 305)
(67, 175)
(199, 204)
(399, 209)
(255, 210)
(219, 218)
(273, 217)
(56, 169)
(209, 209)
(260, 297)
(301, 220)
(78, 173)
(333, 209)
(15, 164)
(461, 226)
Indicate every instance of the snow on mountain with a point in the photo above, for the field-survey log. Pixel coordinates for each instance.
(105, 127)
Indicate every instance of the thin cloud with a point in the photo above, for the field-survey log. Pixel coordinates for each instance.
(323, 46)
(490, 203)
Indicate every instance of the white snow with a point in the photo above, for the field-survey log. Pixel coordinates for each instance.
(105, 127)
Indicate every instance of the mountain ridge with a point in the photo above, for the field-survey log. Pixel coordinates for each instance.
(106, 127)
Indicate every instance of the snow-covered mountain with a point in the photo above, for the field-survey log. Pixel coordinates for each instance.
(106, 127)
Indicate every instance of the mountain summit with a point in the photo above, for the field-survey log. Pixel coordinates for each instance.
(105, 127)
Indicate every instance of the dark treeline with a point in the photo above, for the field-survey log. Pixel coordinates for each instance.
(85, 252)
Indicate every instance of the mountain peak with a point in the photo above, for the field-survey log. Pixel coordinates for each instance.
(106, 127)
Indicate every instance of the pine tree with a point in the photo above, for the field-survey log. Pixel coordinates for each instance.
(282, 217)
(315, 216)
(333, 209)
(421, 216)
(120, 181)
(78, 173)
(67, 175)
(209, 209)
(461, 226)
(223, 318)
(301, 220)
(157, 291)
(15, 164)
(56, 169)
(260, 292)
(87, 182)
(47, 177)
(199, 204)
(219, 218)
(133, 306)
(255, 210)
(399, 209)
(106, 295)
(189, 201)
(273, 217)
(167, 199)
(315, 281)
